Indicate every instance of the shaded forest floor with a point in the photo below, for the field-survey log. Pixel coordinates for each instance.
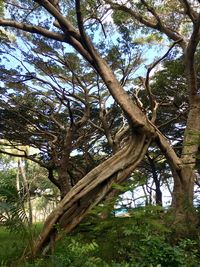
(145, 239)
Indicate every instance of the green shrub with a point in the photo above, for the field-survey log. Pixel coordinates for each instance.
(141, 240)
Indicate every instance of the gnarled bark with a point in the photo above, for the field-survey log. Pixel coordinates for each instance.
(91, 190)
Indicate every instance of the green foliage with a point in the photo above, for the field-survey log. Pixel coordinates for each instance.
(12, 211)
(13, 215)
(7, 177)
(1, 7)
(120, 17)
(141, 240)
(12, 245)
(154, 38)
(73, 252)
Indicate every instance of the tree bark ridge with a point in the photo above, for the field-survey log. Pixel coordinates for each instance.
(90, 190)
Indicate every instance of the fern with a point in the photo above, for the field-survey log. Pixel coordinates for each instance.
(12, 211)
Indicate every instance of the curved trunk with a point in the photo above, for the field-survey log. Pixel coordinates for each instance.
(90, 190)
(63, 163)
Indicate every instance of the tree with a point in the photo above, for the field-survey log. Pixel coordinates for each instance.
(72, 24)
(57, 109)
(175, 29)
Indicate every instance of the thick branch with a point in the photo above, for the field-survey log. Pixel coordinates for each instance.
(192, 14)
(190, 60)
(157, 26)
(33, 29)
(72, 35)
(64, 23)
(80, 21)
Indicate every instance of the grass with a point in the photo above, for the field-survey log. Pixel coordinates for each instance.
(12, 245)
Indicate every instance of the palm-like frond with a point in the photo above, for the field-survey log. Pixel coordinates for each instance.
(12, 210)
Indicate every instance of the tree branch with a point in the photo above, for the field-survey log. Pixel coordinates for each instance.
(72, 35)
(152, 11)
(157, 26)
(152, 99)
(52, 178)
(192, 14)
(190, 59)
(33, 29)
(23, 156)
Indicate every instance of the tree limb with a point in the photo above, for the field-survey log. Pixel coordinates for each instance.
(192, 14)
(157, 26)
(152, 99)
(33, 29)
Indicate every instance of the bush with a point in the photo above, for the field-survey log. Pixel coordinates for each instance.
(141, 240)
(74, 252)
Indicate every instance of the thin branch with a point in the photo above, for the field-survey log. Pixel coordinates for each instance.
(32, 9)
(122, 131)
(172, 120)
(24, 156)
(96, 126)
(160, 59)
(153, 103)
(100, 22)
(13, 154)
(16, 5)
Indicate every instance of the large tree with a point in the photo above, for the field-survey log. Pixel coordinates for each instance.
(55, 109)
(76, 24)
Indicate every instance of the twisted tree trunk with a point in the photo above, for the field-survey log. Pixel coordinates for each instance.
(90, 190)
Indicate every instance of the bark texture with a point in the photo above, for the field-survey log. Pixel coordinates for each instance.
(90, 190)
(184, 180)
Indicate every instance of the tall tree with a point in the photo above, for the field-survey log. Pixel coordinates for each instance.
(72, 23)
(57, 110)
(172, 22)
